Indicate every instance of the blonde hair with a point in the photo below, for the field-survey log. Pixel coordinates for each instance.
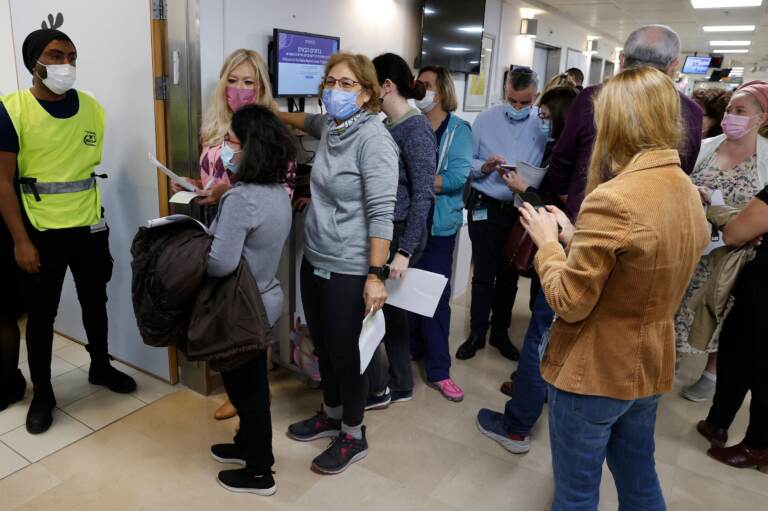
(636, 111)
(364, 71)
(218, 117)
(561, 80)
(445, 87)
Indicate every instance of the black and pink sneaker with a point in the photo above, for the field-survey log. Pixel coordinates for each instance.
(319, 426)
(342, 452)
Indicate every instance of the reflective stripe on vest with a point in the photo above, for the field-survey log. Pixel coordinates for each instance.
(56, 161)
(36, 188)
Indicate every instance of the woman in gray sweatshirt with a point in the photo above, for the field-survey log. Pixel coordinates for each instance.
(347, 232)
(253, 223)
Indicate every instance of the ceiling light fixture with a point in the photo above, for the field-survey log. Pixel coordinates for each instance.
(717, 4)
(730, 43)
(729, 28)
(734, 50)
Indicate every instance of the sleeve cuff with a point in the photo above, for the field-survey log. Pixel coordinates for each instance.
(381, 230)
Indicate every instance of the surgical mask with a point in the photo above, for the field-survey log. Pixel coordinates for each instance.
(59, 77)
(238, 98)
(736, 126)
(545, 125)
(341, 105)
(427, 103)
(518, 115)
(227, 158)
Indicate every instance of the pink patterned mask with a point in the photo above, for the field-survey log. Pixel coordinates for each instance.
(238, 98)
(736, 126)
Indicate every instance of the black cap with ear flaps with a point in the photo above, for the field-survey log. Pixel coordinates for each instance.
(35, 44)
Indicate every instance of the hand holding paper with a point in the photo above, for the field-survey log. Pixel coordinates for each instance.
(183, 183)
(374, 328)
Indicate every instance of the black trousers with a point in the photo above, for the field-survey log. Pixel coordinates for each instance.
(248, 389)
(335, 310)
(742, 366)
(494, 283)
(87, 256)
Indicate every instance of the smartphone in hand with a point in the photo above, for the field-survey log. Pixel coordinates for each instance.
(533, 199)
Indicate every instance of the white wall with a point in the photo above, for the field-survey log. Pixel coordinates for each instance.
(114, 64)
(8, 82)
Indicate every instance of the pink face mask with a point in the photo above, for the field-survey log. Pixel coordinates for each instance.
(238, 98)
(736, 126)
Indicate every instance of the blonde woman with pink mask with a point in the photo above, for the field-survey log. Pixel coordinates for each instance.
(243, 80)
(735, 164)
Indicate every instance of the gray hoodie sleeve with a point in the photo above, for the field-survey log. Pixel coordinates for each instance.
(314, 125)
(232, 227)
(379, 168)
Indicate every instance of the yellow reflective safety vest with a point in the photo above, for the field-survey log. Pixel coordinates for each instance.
(56, 161)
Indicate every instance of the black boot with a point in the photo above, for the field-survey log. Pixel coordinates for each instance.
(473, 343)
(102, 373)
(501, 341)
(12, 390)
(40, 414)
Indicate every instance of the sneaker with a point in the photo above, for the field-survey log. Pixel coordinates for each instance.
(319, 426)
(379, 402)
(702, 390)
(448, 389)
(244, 481)
(227, 453)
(114, 380)
(401, 396)
(491, 424)
(342, 452)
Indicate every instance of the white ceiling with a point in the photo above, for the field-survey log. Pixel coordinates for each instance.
(617, 18)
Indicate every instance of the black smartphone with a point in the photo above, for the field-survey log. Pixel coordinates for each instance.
(533, 199)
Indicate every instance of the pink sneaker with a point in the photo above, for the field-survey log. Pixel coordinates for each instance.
(448, 389)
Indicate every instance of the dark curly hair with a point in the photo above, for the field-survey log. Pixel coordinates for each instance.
(713, 102)
(268, 146)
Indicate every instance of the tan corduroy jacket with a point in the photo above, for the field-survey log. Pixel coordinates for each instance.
(638, 239)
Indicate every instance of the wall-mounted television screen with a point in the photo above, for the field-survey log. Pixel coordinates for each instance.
(452, 34)
(298, 62)
(696, 65)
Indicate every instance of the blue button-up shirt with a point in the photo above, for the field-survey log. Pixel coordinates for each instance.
(493, 132)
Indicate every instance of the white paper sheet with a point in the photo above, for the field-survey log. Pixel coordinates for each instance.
(167, 220)
(419, 291)
(171, 174)
(183, 197)
(532, 175)
(715, 199)
(374, 328)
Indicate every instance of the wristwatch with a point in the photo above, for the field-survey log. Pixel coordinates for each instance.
(404, 253)
(382, 272)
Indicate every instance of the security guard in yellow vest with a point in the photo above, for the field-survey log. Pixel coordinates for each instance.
(50, 144)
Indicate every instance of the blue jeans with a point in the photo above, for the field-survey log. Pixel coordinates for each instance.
(584, 431)
(530, 390)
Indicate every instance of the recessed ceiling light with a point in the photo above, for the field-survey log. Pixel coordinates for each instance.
(715, 4)
(730, 43)
(457, 49)
(729, 28)
(471, 30)
(731, 51)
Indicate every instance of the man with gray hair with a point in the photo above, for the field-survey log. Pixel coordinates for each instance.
(507, 133)
(656, 46)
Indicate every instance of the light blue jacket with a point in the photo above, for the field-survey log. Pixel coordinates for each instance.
(454, 163)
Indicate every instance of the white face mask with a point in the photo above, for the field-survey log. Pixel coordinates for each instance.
(60, 77)
(427, 103)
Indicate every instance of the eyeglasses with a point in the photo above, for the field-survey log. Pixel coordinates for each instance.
(543, 116)
(231, 140)
(345, 83)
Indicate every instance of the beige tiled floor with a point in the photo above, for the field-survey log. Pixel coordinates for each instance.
(82, 409)
(424, 455)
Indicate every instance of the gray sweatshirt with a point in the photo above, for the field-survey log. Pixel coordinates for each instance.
(253, 222)
(353, 184)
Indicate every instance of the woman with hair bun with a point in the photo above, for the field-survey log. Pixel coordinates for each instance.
(415, 195)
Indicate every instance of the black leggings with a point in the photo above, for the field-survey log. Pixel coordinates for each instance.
(10, 340)
(742, 366)
(335, 309)
(248, 389)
